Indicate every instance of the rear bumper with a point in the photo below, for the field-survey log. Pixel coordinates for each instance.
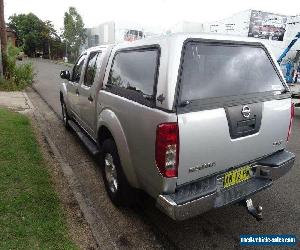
(197, 198)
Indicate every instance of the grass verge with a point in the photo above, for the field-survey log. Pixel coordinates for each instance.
(30, 212)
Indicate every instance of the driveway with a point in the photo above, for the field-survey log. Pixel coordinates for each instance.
(146, 227)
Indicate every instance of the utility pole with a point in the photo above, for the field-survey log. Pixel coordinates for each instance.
(3, 39)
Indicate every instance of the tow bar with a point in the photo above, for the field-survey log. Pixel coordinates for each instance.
(256, 212)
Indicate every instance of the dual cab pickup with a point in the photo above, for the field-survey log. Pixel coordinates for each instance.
(196, 121)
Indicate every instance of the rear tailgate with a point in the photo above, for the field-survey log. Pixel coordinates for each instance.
(205, 139)
(232, 108)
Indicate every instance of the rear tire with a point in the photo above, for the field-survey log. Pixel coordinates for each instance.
(65, 115)
(117, 187)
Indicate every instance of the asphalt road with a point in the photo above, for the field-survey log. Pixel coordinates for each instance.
(147, 227)
(47, 81)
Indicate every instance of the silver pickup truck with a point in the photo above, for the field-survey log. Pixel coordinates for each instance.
(196, 121)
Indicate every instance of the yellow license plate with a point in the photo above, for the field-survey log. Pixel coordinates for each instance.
(236, 176)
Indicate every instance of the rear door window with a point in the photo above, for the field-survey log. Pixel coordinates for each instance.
(220, 70)
(91, 68)
(134, 73)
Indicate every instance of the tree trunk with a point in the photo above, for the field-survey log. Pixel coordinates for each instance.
(3, 39)
(49, 49)
(1, 67)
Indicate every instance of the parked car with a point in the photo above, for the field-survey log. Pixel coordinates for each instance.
(196, 121)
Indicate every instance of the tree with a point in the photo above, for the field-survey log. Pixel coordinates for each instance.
(49, 34)
(36, 36)
(3, 39)
(30, 32)
(74, 32)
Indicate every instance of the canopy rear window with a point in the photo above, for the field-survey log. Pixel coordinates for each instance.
(221, 70)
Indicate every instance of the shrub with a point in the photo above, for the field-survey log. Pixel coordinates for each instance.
(12, 53)
(23, 75)
(18, 76)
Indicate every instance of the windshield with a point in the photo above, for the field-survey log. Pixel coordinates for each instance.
(219, 70)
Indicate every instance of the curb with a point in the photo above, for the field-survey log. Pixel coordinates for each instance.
(102, 238)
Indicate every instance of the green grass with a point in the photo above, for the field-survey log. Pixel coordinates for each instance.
(30, 212)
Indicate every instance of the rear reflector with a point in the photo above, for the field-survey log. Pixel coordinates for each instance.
(291, 121)
(167, 149)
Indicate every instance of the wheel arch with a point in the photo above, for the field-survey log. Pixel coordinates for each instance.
(109, 126)
(103, 134)
(63, 93)
(61, 96)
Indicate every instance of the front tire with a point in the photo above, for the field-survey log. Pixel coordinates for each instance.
(65, 115)
(117, 187)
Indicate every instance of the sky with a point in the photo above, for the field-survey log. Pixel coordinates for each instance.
(162, 13)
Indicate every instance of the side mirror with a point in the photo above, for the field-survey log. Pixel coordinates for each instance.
(65, 74)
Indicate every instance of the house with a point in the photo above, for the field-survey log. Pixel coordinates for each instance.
(11, 36)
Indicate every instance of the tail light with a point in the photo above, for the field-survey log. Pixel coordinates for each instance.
(291, 120)
(167, 149)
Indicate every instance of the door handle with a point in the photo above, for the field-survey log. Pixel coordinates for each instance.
(90, 98)
(77, 92)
